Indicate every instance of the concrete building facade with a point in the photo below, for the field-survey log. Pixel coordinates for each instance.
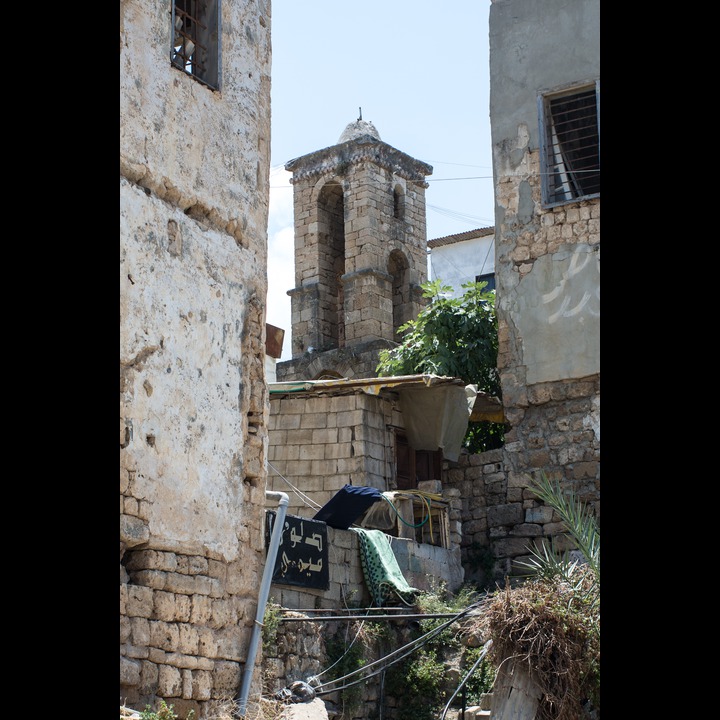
(194, 174)
(544, 113)
(462, 258)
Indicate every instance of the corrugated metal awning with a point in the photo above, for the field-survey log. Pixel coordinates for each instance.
(486, 407)
(372, 386)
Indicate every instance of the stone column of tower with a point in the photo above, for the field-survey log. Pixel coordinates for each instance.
(360, 253)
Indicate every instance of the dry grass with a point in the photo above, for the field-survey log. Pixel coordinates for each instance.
(223, 709)
(551, 626)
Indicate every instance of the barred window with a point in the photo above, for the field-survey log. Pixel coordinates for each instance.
(570, 144)
(196, 39)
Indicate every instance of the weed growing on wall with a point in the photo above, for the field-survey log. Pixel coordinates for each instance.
(343, 659)
(164, 712)
(482, 679)
(421, 681)
(271, 621)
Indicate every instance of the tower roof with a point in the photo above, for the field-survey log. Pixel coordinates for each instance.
(357, 129)
(359, 142)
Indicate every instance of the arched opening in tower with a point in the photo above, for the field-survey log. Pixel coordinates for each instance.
(398, 267)
(331, 260)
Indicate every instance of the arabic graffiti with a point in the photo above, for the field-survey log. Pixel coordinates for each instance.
(297, 562)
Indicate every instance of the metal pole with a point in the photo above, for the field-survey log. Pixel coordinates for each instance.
(263, 595)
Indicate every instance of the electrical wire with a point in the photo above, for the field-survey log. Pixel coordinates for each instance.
(314, 678)
(417, 642)
(380, 670)
(469, 674)
(461, 270)
(475, 177)
(460, 216)
(443, 162)
(385, 661)
(307, 500)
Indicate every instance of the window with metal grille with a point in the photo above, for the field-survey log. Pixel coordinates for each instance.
(570, 144)
(196, 39)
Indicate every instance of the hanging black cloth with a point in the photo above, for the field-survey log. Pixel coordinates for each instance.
(347, 505)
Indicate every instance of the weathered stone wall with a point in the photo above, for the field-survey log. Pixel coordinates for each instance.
(193, 401)
(359, 361)
(499, 514)
(300, 652)
(308, 651)
(547, 268)
(421, 564)
(378, 193)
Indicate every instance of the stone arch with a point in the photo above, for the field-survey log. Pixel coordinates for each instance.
(343, 368)
(331, 263)
(399, 268)
(326, 374)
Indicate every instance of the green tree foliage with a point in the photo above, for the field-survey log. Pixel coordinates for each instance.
(421, 681)
(453, 337)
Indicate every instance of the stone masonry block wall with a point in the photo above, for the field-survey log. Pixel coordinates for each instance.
(368, 306)
(299, 650)
(359, 361)
(421, 564)
(320, 444)
(500, 516)
(179, 631)
(302, 651)
(347, 583)
(369, 176)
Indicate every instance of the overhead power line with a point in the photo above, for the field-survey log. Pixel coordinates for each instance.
(460, 216)
(475, 177)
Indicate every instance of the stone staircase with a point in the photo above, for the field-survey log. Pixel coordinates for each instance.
(473, 712)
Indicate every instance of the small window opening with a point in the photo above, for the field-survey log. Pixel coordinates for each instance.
(196, 45)
(489, 279)
(398, 202)
(571, 145)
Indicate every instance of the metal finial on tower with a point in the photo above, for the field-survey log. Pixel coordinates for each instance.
(358, 128)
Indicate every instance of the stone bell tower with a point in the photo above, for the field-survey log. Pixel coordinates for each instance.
(360, 254)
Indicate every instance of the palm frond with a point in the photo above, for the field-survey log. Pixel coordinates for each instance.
(580, 523)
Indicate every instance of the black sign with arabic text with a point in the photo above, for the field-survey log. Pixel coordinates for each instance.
(302, 557)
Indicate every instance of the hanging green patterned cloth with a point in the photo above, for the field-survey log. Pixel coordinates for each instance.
(383, 576)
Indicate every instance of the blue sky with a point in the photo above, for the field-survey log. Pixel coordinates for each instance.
(419, 69)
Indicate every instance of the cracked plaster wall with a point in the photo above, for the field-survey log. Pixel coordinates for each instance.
(547, 260)
(547, 271)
